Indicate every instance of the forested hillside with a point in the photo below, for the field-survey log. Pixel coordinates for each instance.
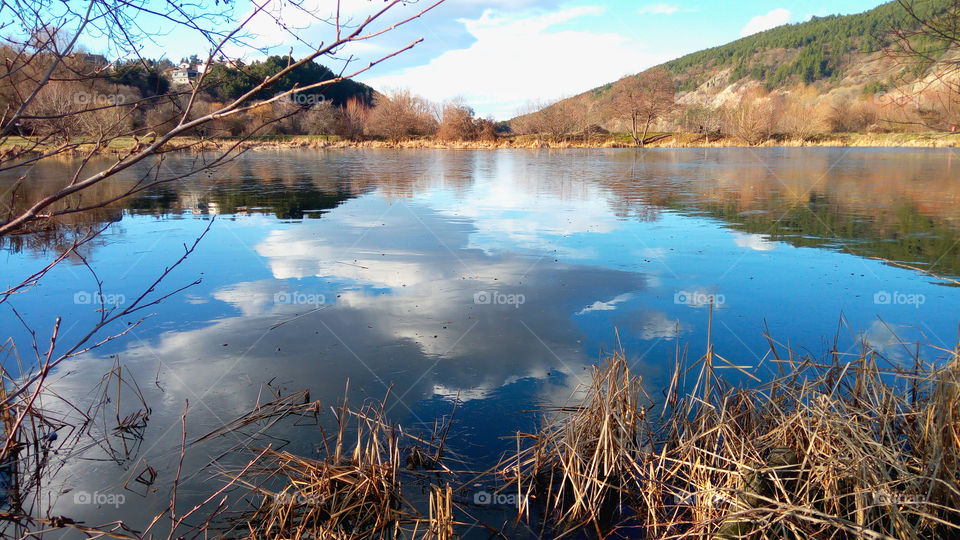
(229, 82)
(834, 73)
(824, 47)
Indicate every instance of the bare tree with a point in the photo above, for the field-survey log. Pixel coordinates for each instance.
(324, 119)
(926, 43)
(565, 116)
(643, 98)
(555, 119)
(457, 122)
(58, 102)
(399, 114)
(754, 119)
(527, 120)
(43, 60)
(354, 119)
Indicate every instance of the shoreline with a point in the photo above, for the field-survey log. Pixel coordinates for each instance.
(681, 140)
(665, 141)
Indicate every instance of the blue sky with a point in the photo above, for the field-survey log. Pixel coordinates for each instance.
(500, 54)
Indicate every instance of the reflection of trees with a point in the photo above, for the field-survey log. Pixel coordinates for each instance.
(284, 199)
(52, 238)
(897, 205)
(904, 234)
(255, 189)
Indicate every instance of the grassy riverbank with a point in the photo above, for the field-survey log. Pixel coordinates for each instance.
(657, 140)
(124, 145)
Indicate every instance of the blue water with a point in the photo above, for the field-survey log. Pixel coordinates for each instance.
(496, 276)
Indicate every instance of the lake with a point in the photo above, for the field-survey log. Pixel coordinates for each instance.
(492, 277)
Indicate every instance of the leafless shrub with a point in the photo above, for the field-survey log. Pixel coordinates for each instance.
(799, 115)
(324, 119)
(753, 120)
(400, 114)
(355, 115)
(457, 122)
(848, 115)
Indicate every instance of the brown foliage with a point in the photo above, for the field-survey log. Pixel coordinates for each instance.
(400, 114)
(846, 115)
(457, 122)
(754, 119)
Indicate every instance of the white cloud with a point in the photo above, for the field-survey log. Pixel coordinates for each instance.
(770, 20)
(609, 305)
(307, 23)
(656, 325)
(515, 58)
(756, 242)
(659, 9)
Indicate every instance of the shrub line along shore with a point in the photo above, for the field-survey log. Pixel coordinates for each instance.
(668, 140)
(681, 140)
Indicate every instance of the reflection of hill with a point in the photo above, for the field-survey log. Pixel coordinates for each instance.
(899, 205)
(282, 199)
(257, 189)
(905, 236)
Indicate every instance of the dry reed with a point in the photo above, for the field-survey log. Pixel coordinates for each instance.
(348, 494)
(354, 490)
(840, 448)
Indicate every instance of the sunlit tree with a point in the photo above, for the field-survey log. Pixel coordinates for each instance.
(642, 99)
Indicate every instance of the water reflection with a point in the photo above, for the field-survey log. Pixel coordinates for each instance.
(495, 276)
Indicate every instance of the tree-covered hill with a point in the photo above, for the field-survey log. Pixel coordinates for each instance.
(824, 45)
(825, 54)
(228, 82)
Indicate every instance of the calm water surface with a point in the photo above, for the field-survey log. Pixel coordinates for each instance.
(496, 276)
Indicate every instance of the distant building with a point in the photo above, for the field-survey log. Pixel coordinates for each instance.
(185, 74)
(95, 60)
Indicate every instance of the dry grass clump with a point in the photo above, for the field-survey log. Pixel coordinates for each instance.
(836, 448)
(440, 522)
(350, 493)
(354, 490)
(585, 462)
